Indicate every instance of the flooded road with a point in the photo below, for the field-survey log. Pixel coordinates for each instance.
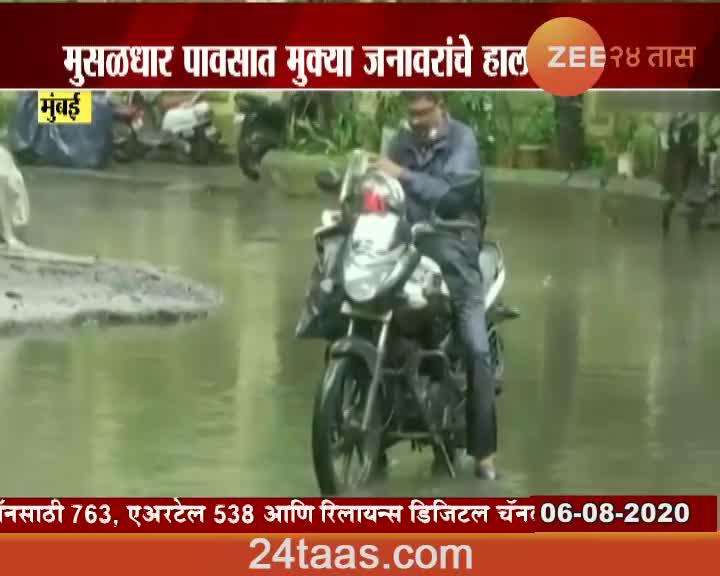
(610, 377)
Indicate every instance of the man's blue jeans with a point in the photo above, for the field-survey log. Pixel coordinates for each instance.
(457, 255)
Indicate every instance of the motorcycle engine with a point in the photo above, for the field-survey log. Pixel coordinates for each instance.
(443, 404)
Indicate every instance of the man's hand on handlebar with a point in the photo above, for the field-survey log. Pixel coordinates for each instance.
(388, 167)
(421, 228)
(438, 224)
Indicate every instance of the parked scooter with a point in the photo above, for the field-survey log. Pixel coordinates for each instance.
(186, 126)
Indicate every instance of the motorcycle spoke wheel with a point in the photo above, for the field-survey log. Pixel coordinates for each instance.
(348, 478)
(345, 458)
(353, 465)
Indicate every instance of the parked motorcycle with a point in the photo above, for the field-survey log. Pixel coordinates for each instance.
(261, 127)
(181, 125)
(691, 172)
(704, 208)
(701, 207)
(394, 369)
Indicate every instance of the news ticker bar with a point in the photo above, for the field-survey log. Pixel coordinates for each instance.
(368, 554)
(342, 515)
(345, 46)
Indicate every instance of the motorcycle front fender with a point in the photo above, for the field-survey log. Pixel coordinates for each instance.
(351, 346)
(346, 348)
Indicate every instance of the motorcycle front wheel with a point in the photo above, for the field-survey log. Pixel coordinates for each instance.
(345, 458)
(200, 149)
(125, 145)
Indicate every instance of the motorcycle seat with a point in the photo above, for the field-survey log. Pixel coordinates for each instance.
(152, 137)
(170, 101)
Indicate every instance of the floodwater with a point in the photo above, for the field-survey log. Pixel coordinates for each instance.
(610, 370)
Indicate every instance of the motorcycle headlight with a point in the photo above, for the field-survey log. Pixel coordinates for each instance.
(363, 282)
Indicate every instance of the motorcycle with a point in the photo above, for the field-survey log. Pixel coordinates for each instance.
(704, 210)
(261, 127)
(394, 371)
(691, 174)
(186, 127)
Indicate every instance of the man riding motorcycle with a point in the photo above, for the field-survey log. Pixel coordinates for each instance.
(421, 158)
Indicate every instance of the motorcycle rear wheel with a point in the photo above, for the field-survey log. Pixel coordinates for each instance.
(338, 412)
(454, 445)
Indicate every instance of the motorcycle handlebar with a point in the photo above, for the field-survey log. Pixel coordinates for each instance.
(443, 225)
(455, 225)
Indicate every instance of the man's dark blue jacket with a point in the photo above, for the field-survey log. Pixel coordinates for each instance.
(430, 166)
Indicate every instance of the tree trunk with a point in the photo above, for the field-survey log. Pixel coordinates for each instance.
(570, 135)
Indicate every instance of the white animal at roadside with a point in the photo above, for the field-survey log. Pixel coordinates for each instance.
(14, 202)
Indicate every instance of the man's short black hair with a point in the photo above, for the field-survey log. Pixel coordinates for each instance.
(432, 95)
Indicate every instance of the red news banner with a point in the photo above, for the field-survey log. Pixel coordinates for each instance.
(313, 515)
(360, 45)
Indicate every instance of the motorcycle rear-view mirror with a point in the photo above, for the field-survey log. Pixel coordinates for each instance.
(329, 180)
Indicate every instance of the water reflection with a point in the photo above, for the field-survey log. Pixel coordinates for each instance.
(609, 376)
